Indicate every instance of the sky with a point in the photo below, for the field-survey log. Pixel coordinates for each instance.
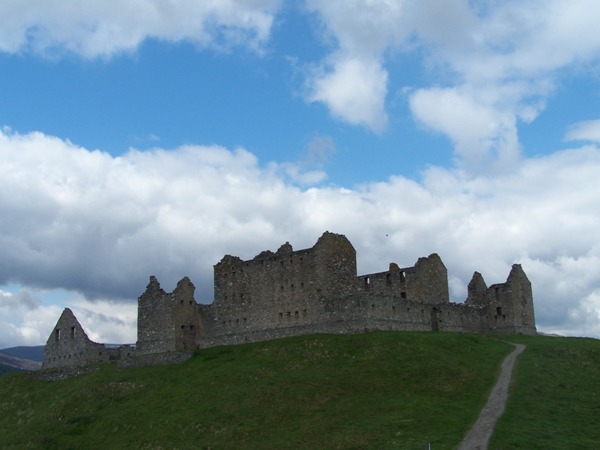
(147, 138)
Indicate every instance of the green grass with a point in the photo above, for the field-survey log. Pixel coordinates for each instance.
(376, 390)
(554, 401)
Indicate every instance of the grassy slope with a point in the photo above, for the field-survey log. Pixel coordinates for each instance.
(378, 390)
(554, 402)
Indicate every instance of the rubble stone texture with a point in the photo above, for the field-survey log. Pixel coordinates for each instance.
(288, 293)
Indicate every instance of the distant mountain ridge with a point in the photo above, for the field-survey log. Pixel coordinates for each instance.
(21, 358)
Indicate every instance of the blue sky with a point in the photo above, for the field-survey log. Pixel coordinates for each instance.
(154, 138)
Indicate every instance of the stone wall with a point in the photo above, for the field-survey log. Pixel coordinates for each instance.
(314, 290)
(69, 346)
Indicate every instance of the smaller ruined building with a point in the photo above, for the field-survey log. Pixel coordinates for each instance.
(292, 292)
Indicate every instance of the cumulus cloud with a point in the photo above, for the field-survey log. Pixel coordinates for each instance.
(588, 130)
(93, 28)
(97, 226)
(499, 63)
(352, 81)
(353, 89)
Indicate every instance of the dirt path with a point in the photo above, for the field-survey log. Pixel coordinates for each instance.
(479, 435)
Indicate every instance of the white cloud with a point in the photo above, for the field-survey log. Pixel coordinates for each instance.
(93, 28)
(498, 64)
(353, 89)
(97, 225)
(352, 81)
(482, 135)
(588, 130)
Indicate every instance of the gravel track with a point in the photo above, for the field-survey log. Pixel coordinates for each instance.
(479, 436)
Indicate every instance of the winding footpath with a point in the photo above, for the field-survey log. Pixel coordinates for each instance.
(479, 436)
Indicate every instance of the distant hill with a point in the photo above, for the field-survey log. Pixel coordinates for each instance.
(369, 391)
(34, 353)
(21, 358)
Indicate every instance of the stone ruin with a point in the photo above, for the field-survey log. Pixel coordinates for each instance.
(289, 293)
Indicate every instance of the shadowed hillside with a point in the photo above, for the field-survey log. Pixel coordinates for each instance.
(376, 390)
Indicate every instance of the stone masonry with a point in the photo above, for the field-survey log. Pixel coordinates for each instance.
(287, 293)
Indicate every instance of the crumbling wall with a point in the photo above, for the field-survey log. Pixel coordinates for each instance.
(69, 346)
(281, 290)
(314, 290)
(510, 304)
(168, 321)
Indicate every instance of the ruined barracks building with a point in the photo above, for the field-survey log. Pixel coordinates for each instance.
(289, 293)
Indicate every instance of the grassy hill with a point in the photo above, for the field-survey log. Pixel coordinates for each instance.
(376, 390)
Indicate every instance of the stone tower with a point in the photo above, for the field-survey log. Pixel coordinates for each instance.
(167, 321)
(508, 306)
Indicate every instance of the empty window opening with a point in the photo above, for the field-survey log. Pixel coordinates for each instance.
(242, 295)
(292, 287)
(57, 334)
(182, 327)
(402, 276)
(304, 312)
(281, 288)
(296, 314)
(289, 313)
(244, 320)
(367, 282)
(403, 294)
(499, 311)
(388, 278)
(181, 302)
(72, 332)
(373, 306)
(191, 327)
(281, 315)
(191, 301)
(302, 285)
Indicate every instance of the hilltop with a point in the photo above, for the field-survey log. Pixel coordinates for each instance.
(375, 390)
